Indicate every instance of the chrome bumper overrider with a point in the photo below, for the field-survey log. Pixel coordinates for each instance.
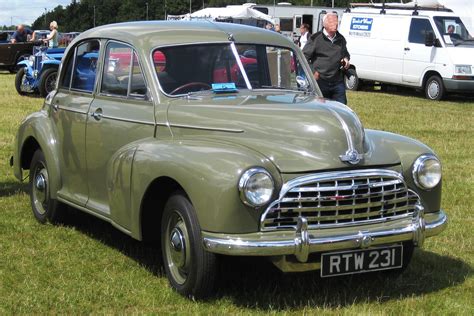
(303, 242)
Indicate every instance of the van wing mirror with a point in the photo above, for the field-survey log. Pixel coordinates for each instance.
(430, 39)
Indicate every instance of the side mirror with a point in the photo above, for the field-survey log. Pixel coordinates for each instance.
(430, 39)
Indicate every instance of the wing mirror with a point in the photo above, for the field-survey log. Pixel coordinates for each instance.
(302, 82)
(430, 39)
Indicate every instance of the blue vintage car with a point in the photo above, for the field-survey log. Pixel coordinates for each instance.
(39, 72)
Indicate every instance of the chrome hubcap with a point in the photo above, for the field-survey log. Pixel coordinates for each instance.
(178, 256)
(40, 190)
(177, 247)
(433, 89)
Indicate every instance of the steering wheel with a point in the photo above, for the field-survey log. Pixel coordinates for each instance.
(190, 85)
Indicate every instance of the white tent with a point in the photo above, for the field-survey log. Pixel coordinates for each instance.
(231, 12)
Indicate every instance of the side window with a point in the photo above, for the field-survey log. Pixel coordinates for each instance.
(85, 66)
(122, 73)
(67, 71)
(117, 69)
(137, 86)
(418, 30)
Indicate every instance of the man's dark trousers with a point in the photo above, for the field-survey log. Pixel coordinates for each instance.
(333, 90)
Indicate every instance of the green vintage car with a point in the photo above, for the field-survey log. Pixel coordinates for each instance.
(213, 139)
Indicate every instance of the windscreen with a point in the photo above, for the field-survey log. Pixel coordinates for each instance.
(191, 68)
(453, 31)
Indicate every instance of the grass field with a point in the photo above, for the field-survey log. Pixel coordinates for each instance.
(86, 266)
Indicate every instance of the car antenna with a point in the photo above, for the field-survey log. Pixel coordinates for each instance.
(230, 36)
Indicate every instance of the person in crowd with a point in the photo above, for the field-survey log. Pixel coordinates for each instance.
(305, 34)
(52, 38)
(327, 52)
(277, 28)
(269, 26)
(21, 34)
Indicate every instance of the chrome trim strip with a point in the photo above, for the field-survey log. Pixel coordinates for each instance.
(305, 241)
(205, 128)
(241, 66)
(345, 127)
(127, 120)
(68, 109)
(288, 186)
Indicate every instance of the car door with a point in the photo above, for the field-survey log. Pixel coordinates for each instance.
(5, 49)
(120, 114)
(71, 104)
(417, 56)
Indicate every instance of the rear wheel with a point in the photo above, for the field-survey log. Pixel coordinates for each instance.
(352, 81)
(47, 81)
(190, 269)
(21, 84)
(44, 207)
(434, 88)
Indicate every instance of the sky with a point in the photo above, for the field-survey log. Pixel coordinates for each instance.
(25, 11)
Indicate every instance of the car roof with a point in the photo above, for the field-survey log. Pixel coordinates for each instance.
(150, 34)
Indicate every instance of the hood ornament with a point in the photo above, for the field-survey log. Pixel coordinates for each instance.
(352, 156)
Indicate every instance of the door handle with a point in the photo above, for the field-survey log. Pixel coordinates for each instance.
(97, 114)
(407, 48)
(55, 107)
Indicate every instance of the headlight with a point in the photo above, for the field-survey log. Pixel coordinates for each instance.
(256, 187)
(427, 171)
(463, 69)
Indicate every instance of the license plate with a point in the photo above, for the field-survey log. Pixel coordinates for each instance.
(360, 261)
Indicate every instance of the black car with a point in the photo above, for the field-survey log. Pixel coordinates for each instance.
(12, 54)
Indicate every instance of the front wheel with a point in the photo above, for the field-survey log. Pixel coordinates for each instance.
(434, 88)
(190, 269)
(47, 81)
(44, 207)
(352, 81)
(21, 82)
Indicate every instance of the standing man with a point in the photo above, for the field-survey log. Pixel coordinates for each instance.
(21, 34)
(327, 52)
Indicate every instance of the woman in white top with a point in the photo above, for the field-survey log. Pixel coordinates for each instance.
(52, 38)
(304, 29)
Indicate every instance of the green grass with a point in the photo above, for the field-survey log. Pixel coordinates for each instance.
(86, 266)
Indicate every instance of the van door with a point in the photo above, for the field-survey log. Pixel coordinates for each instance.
(390, 37)
(417, 56)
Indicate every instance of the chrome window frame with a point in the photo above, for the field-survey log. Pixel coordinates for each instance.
(146, 97)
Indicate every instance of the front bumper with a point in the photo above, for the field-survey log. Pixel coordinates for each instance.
(453, 85)
(303, 242)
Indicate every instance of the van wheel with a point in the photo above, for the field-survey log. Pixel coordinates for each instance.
(47, 81)
(44, 207)
(352, 80)
(434, 88)
(190, 269)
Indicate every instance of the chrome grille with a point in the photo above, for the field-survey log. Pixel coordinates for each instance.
(341, 199)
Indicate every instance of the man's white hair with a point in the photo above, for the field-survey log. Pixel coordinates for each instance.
(328, 15)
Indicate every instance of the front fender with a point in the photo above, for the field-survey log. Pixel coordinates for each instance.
(409, 150)
(208, 172)
(26, 64)
(38, 127)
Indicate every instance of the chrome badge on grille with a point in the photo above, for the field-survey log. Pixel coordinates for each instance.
(352, 157)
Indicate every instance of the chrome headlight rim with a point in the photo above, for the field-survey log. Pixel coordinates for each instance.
(417, 167)
(244, 181)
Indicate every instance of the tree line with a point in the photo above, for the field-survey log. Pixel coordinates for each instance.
(82, 15)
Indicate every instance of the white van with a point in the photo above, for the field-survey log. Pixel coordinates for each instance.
(424, 48)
